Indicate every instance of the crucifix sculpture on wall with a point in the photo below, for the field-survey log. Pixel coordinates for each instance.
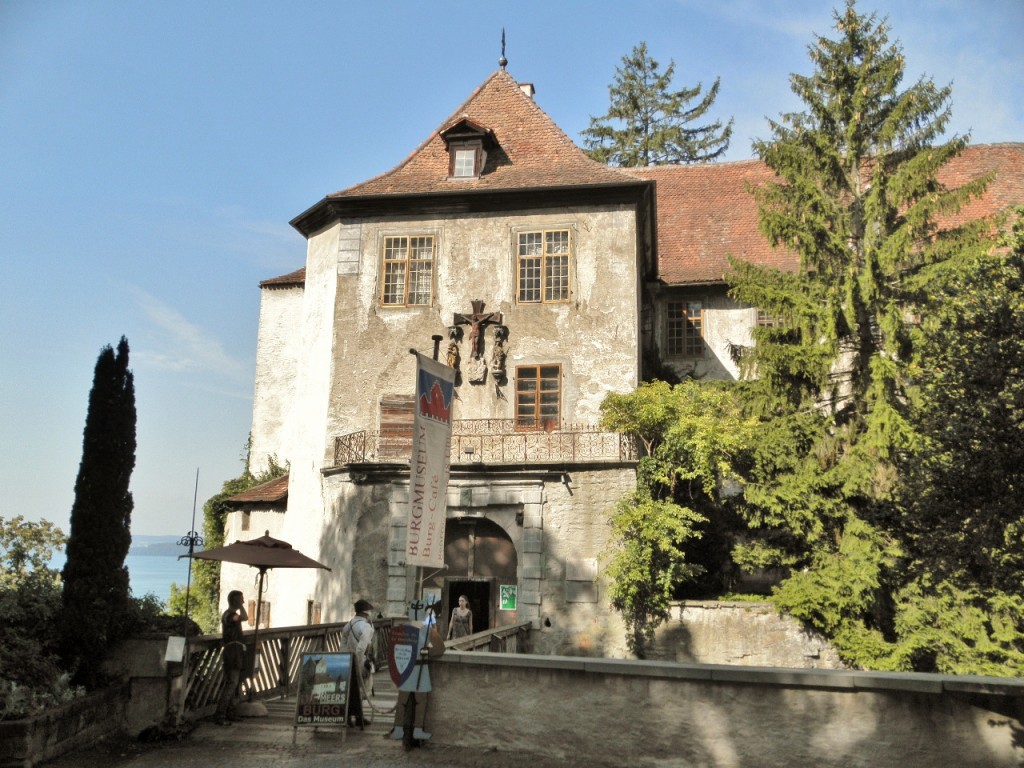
(477, 321)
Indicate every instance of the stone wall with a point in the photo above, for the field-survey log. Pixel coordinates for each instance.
(748, 634)
(653, 714)
(79, 723)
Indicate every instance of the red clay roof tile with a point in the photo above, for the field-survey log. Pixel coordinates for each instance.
(532, 152)
(705, 213)
(298, 277)
(271, 492)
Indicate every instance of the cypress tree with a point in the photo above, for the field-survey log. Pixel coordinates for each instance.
(96, 591)
(858, 199)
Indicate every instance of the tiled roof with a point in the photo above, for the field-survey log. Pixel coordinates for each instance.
(705, 213)
(531, 153)
(298, 277)
(1005, 190)
(272, 492)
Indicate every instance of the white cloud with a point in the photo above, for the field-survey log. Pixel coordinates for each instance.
(174, 343)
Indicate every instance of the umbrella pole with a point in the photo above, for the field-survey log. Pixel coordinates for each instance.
(256, 632)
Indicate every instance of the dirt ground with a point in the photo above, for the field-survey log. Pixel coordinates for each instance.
(368, 752)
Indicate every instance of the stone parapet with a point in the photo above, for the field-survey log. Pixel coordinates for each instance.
(665, 713)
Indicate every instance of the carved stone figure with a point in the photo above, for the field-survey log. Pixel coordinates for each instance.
(452, 356)
(499, 353)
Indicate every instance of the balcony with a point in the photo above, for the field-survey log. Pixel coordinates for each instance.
(492, 441)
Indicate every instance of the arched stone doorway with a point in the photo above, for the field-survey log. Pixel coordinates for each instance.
(481, 557)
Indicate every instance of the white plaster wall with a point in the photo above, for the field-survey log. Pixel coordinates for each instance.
(289, 589)
(595, 337)
(726, 324)
(278, 349)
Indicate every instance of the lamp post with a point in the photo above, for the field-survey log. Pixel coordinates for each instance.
(191, 540)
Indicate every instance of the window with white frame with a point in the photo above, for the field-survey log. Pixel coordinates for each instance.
(542, 266)
(408, 270)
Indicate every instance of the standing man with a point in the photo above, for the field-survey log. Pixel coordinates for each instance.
(357, 637)
(233, 656)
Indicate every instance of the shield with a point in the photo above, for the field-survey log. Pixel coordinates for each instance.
(262, 553)
(402, 652)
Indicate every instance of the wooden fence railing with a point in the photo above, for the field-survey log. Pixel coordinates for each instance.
(280, 656)
(277, 668)
(511, 638)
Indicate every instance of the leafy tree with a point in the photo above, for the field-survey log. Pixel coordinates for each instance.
(858, 199)
(960, 611)
(691, 433)
(961, 489)
(204, 597)
(26, 550)
(96, 591)
(30, 674)
(648, 123)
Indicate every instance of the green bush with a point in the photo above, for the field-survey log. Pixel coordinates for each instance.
(31, 677)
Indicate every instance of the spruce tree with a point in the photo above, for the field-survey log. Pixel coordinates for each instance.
(648, 123)
(857, 198)
(96, 590)
(960, 610)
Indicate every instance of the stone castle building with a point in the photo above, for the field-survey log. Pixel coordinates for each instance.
(548, 280)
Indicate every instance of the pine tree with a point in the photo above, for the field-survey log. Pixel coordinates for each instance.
(647, 123)
(858, 199)
(96, 590)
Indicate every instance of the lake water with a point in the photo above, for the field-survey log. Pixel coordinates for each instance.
(156, 573)
(149, 574)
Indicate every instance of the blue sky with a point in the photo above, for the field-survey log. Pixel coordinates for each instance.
(152, 155)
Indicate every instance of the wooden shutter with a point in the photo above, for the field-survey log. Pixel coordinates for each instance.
(396, 422)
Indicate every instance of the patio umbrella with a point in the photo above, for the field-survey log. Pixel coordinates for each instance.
(262, 553)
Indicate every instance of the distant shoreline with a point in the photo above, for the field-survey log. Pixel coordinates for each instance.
(148, 545)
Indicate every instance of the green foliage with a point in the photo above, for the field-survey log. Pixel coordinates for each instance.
(646, 562)
(943, 627)
(839, 593)
(204, 597)
(96, 591)
(648, 123)
(858, 461)
(26, 550)
(963, 517)
(31, 677)
(692, 433)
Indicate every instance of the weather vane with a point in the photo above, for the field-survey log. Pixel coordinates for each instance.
(502, 61)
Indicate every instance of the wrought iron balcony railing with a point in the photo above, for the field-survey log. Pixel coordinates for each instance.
(492, 441)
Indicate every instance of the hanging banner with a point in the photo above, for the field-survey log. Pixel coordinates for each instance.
(430, 463)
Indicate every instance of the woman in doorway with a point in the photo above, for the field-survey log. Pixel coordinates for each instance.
(461, 623)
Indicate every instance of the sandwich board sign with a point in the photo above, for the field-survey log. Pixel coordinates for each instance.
(324, 680)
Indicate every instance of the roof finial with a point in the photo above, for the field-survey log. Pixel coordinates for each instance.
(502, 61)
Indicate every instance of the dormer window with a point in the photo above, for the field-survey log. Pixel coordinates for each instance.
(467, 144)
(466, 160)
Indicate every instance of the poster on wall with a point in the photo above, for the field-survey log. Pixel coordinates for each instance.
(507, 594)
(324, 679)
